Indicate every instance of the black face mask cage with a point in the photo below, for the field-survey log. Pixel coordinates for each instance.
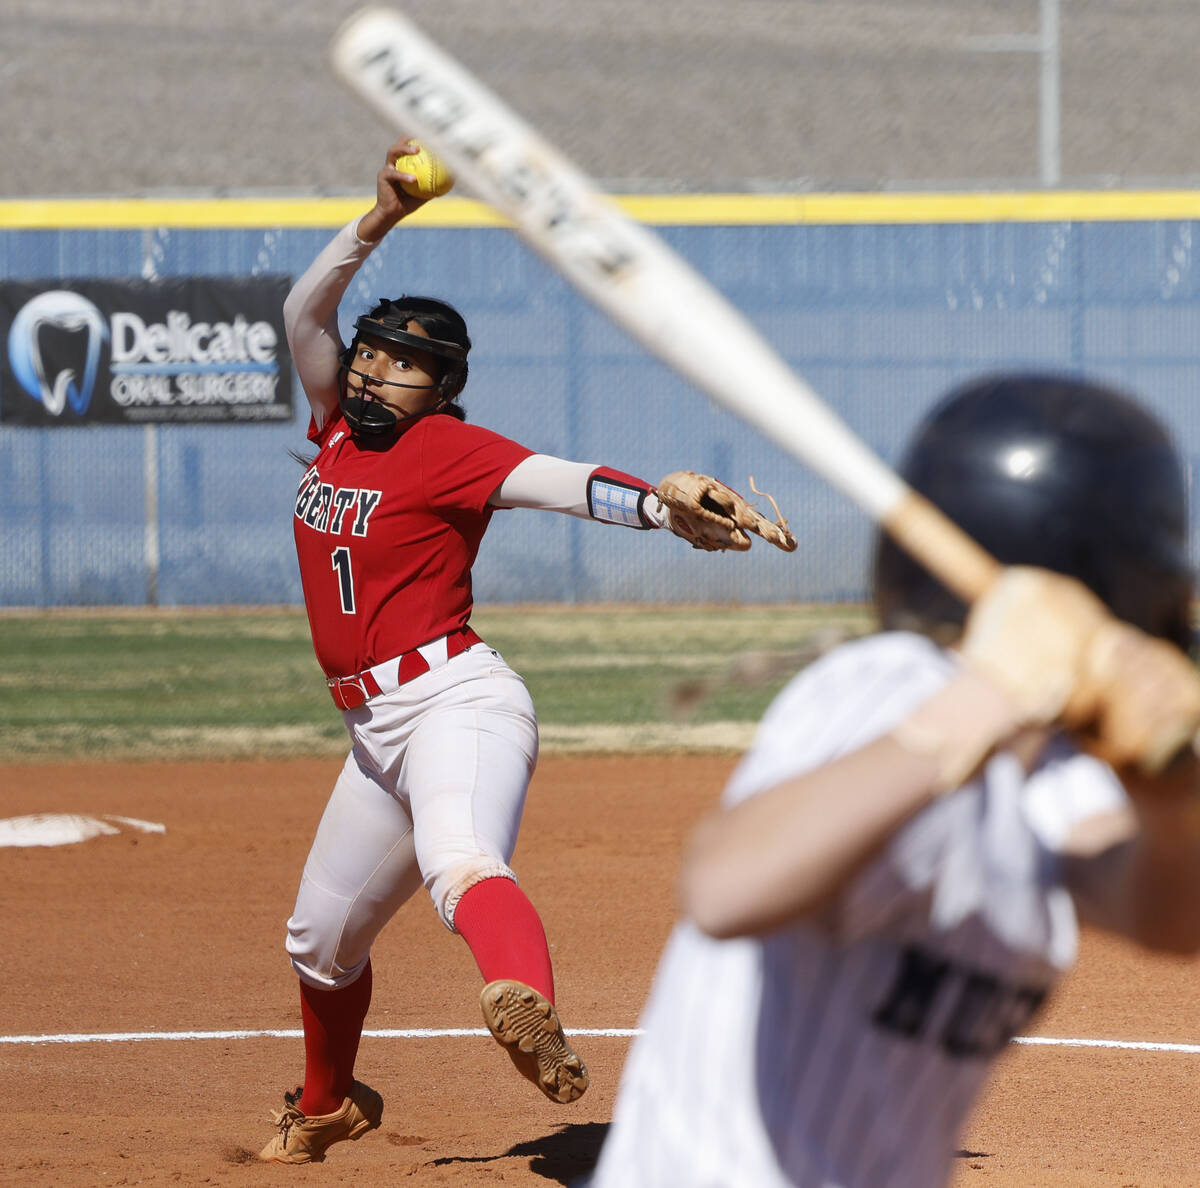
(441, 347)
(389, 321)
(370, 417)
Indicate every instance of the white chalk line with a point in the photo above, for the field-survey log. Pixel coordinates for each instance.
(1129, 1045)
(134, 1037)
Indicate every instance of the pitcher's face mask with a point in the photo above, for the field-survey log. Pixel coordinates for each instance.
(436, 366)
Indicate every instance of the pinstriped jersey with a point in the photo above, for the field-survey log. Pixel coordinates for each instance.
(846, 1053)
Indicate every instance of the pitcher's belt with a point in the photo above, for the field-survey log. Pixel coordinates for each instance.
(352, 691)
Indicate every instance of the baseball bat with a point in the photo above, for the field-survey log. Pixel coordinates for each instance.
(634, 277)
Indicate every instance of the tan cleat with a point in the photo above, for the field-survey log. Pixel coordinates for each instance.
(304, 1140)
(526, 1023)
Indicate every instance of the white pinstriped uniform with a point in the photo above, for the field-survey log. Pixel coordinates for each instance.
(847, 1055)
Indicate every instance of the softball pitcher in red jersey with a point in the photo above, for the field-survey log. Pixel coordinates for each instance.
(388, 520)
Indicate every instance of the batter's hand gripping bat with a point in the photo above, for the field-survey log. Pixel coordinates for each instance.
(634, 277)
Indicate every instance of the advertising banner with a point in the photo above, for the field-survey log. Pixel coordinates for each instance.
(180, 350)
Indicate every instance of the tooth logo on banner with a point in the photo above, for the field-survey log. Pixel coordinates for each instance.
(62, 311)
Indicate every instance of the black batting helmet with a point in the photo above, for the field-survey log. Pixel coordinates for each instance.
(1053, 472)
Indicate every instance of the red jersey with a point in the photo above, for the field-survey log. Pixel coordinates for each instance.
(386, 537)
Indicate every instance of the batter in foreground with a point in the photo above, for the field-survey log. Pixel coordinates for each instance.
(388, 521)
(892, 884)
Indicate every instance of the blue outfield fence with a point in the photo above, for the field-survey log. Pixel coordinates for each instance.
(880, 316)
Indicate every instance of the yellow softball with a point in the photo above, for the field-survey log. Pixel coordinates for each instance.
(433, 178)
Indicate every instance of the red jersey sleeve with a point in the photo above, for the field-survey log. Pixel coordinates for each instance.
(461, 465)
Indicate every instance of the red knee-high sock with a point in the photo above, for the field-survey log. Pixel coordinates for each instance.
(333, 1022)
(505, 934)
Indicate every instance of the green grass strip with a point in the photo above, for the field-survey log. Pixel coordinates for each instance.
(145, 684)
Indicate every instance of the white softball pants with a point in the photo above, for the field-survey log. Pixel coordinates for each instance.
(432, 791)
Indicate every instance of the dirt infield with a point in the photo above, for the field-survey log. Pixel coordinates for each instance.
(182, 933)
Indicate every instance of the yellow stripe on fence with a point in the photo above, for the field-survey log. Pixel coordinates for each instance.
(653, 209)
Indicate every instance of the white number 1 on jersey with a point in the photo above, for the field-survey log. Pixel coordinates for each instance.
(341, 566)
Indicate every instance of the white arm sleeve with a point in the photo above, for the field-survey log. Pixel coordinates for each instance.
(310, 317)
(554, 484)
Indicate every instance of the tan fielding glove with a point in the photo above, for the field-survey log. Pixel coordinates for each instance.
(711, 516)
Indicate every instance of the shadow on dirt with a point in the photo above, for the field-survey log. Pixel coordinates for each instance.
(562, 1156)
